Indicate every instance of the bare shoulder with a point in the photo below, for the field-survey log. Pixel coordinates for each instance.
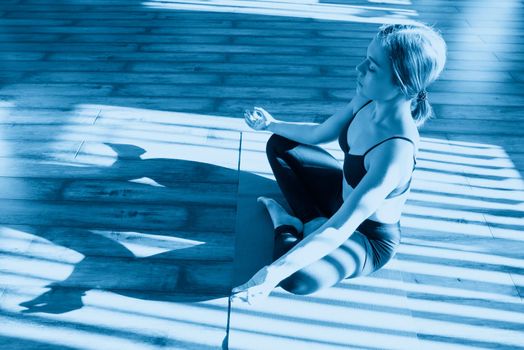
(392, 147)
(406, 129)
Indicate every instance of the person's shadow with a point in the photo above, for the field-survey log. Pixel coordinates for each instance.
(181, 271)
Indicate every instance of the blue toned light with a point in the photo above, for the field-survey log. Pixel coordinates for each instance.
(299, 8)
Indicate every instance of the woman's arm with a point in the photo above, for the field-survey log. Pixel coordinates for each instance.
(388, 164)
(313, 133)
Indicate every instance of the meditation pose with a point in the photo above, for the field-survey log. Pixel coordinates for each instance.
(345, 219)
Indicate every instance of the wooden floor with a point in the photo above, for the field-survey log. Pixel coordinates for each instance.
(128, 179)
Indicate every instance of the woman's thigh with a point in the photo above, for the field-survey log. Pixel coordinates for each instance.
(351, 259)
(320, 173)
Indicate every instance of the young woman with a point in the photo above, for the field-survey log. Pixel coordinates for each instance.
(345, 220)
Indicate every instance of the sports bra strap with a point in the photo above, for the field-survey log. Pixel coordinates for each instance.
(393, 137)
(354, 115)
(362, 107)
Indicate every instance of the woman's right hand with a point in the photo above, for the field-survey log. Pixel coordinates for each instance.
(259, 119)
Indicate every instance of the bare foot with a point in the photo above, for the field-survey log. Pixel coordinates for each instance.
(279, 215)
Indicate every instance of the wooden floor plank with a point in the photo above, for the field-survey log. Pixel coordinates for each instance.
(39, 150)
(185, 246)
(134, 191)
(170, 171)
(119, 215)
(117, 78)
(160, 273)
(124, 319)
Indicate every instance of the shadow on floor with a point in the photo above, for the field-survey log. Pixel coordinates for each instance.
(181, 272)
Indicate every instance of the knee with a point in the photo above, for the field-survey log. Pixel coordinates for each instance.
(301, 284)
(278, 144)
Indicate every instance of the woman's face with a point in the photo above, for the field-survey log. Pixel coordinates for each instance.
(375, 74)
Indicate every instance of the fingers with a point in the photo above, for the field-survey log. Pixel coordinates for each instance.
(239, 296)
(262, 112)
(244, 296)
(253, 120)
(244, 287)
(249, 121)
(260, 109)
(258, 119)
(251, 297)
(265, 113)
(241, 293)
(245, 292)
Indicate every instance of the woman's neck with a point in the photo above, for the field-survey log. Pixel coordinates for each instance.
(387, 111)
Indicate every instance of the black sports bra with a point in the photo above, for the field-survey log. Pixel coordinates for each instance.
(354, 168)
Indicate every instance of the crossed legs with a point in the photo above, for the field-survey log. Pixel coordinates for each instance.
(311, 181)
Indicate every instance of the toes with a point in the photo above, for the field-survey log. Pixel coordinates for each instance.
(264, 200)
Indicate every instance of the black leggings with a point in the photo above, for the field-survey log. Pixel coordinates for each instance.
(311, 180)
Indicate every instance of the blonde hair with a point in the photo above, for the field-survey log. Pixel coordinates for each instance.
(418, 56)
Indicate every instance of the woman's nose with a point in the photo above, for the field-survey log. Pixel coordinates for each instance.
(359, 67)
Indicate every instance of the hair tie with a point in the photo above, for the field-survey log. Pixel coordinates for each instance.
(422, 95)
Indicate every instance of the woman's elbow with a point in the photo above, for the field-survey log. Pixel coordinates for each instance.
(319, 136)
(366, 206)
(313, 137)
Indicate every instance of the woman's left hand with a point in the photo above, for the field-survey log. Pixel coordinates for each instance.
(258, 119)
(257, 288)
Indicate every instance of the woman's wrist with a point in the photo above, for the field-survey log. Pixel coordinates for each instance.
(271, 126)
